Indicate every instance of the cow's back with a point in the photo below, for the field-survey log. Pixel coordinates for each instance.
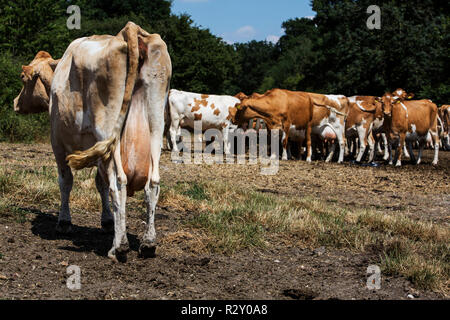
(88, 86)
(422, 116)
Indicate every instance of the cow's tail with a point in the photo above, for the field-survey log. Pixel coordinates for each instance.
(105, 149)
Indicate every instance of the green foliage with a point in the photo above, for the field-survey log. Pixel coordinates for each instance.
(333, 53)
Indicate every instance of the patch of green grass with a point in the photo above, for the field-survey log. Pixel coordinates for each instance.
(231, 229)
(194, 190)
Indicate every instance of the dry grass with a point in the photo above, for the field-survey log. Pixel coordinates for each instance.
(221, 217)
(235, 219)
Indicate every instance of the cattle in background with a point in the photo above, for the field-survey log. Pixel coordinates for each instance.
(37, 80)
(107, 110)
(365, 116)
(257, 123)
(279, 109)
(213, 111)
(444, 115)
(328, 123)
(409, 121)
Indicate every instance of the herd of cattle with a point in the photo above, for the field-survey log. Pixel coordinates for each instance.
(352, 123)
(108, 98)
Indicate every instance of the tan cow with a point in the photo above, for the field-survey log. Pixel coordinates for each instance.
(365, 115)
(107, 99)
(444, 114)
(410, 121)
(37, 80)
(328, 123)
(279, 109)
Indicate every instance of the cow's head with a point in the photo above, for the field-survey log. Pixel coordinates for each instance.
(241, 96)
(37, 79)
(387, 101)
(401, 94)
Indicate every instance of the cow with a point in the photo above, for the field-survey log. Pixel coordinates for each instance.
(364, 117)
(410, 121)
(107, 104)
(37, 80)
(257, 123)
(328, 123)
(212, 110)
(330, 112)
(279, 109)
(444, 115)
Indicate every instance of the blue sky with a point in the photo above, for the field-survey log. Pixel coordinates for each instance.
(243, 20)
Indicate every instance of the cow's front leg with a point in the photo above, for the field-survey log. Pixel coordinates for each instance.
(107, 221)
(386, 147)
(371, 143)
(308, 142)
(362, 135)
(226, 141)
(285, 139)
(400, 150)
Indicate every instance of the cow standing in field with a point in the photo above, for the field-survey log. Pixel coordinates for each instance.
(107, 98)
(37, 80)
(279, 109)
(444, 114)
(213, 111)
(409, 121)
(364, 118)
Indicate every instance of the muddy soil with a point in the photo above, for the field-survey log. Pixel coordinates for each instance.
(34, 258)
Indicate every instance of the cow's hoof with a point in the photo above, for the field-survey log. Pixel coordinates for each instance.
(147, 250)
(64, 227)
(119, 254)
(108, 226)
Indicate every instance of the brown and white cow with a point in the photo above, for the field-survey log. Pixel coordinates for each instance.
(37, 80)
(279, 109)
(444, 114)
(408, 121)
(107, 99)
(330, 112)
(212, 110)
(365, 116)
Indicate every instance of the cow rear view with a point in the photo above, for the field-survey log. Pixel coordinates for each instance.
(107, 110)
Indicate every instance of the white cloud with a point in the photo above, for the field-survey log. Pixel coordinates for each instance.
(246, 32)
(243, 34)
(272, 38)
(309, 17)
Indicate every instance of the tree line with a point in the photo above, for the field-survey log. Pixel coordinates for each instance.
(334, 52)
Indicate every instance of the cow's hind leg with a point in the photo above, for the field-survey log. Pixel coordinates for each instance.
(152, 189)
(411, 153)
(65, 179)
(118, 191)
(107, 221)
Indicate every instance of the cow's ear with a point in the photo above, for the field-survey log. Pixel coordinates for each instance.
(378, 99)
(53, 63)
(410, 96)
(143, 49)
(28, 70)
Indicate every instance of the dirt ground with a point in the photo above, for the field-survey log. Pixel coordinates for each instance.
(34, 258)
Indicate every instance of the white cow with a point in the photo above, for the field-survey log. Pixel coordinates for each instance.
(107, 100)
(213, 111)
